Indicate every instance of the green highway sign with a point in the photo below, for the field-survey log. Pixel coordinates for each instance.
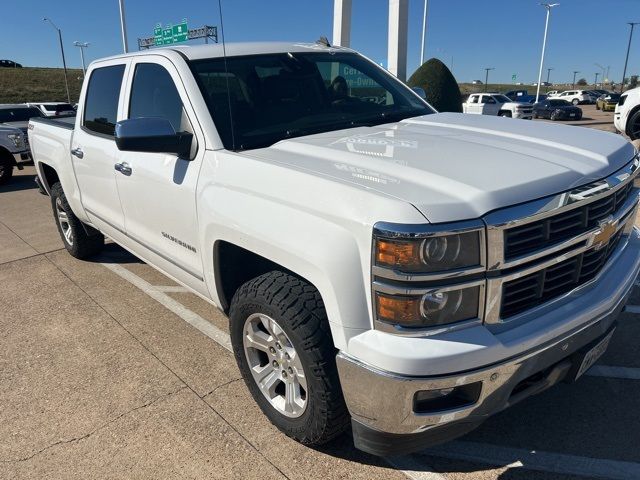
(168, 34)
(157, 34)
(180, 32)
(513, 77)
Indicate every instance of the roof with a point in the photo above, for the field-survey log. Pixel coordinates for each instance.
(196, 52)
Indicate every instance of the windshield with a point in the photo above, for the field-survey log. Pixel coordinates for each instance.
(19, 114)
(559, 103)
(277, 96)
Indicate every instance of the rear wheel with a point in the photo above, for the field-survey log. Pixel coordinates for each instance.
(283, 347)
(554, 116)
(6, 167)
(633, 126)
(80, 240)
(575, 101)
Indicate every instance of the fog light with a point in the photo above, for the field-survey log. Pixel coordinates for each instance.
(431, 401)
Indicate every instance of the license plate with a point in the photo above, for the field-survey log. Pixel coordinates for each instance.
(594, 354)
(572, 114)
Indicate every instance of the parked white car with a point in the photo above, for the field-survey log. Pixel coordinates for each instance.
(54, 109)
(626, 117)
(553, 93)
(576, 97)
(497, 104)
(382, 265)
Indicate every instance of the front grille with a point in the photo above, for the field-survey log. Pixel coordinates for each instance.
(551, 282)
(536, 236)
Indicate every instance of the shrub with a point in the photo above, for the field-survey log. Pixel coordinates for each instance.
(439, 84)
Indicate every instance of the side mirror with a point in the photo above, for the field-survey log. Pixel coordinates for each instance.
(420, 92)
(151, 134)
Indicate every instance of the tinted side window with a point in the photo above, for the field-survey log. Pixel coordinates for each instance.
(153, 94)
(101, 102)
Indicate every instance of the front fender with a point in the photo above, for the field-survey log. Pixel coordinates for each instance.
(317, 228)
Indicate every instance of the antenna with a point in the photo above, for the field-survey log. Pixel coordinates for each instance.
(226, 73)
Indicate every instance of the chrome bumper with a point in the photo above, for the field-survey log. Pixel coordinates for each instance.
(384, 401)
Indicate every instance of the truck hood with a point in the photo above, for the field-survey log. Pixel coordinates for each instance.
(454, 166)
(19, 125)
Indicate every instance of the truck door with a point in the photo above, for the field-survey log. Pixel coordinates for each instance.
(489, 105)
(157, 190)
(93, 148)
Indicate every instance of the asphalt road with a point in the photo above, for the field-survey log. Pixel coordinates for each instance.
(108, 369)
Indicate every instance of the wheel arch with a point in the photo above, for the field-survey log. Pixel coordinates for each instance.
(49, 176)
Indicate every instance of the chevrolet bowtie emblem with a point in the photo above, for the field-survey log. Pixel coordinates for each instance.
(607, 229)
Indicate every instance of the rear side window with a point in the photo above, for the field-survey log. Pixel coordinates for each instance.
(101, 102)
(154, 94)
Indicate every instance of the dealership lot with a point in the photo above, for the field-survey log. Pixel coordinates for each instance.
(110, 369)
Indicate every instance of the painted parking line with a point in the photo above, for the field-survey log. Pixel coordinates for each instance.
(171, 288)
(632, 308)
(192, 318)
(625, 373)
(557, 463)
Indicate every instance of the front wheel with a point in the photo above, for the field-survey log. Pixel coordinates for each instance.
(80, 240)
(283, 347)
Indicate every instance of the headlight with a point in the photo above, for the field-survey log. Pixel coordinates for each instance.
(431, 309)
(428, 275)
(433, 254)
(17, 139)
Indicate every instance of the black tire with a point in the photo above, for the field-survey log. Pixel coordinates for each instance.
(633, 126)
(84, 241)
(298, 309)
(6, 168)
(553, 117)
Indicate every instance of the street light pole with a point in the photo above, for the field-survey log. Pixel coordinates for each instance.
(123, 27)
(575, 72)
(424, 30)
(64, 61)
(82, 46)
(595, 84)
(486, 76)
(626, 60)
(548, 7)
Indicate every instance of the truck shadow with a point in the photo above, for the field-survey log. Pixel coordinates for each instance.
(18, 183)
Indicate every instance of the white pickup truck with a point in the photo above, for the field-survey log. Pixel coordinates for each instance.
(497, 104)
(380, 263)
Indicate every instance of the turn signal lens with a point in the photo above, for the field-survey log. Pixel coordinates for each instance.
(433, 254)
(397, 309)
(431, 309)
(396, 253)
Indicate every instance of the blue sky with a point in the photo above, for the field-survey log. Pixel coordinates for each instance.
(505, 34)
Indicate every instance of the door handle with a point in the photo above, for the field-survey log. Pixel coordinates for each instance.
(77, 152)
(123, 168)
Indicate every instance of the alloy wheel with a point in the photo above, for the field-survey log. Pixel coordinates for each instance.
(275, 365)
(63, 220)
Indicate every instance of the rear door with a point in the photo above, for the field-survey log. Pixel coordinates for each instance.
(93, 147)
(473, 105)
(158, 191)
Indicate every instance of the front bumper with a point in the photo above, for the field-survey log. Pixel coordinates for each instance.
(523, 115)
(382, 404)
